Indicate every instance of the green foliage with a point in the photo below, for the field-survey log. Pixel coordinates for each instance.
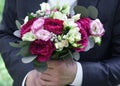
(5, 79)
(91, 11)
(18, 24)
(24, 48)
(82, 10)
(14, 44)
(1, 9)
(28, 59)
(40, 66)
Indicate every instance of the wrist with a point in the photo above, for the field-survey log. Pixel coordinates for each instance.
(73, 72)
(79, 76)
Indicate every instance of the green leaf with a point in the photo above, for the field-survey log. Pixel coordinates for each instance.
(18, 24)
(81, 10)
(13, 44)
(28, 59)
(76, 56)
(55, 56)
(17, 33)
(25, 51)
(30, 17)
(24, 43)
(93, 12)
(91, 44)
(40, 66)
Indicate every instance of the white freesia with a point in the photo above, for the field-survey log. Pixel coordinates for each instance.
(70, 23)
(75, 45)
(29, 36)
(59, 15)
(73, 35)
(45, 6)
(66, 9)
(76, 17)
(60, 45)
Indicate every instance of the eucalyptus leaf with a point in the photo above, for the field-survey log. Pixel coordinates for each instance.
(24, 43)
(93, 12)
(55, 56)
(91, 44)
(13, 44)
(17, 33)
(28, 59)
(25, 51)
(76, 56)
(40, 66)
(81, 10)
(70, 53)
(18, 24)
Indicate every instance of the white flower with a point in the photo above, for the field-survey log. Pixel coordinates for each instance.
(70, 23)
(76, 17)
(45, 6)
(59, 15)
(65, 9)
(60, 45)
(96, 28)
(29, 36)
(26, 20)
(73, 36)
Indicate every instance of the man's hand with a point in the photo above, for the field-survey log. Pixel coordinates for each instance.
(59, 72)
(33, 79)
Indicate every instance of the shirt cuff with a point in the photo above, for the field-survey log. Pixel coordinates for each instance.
(79, 76)
(23, 83)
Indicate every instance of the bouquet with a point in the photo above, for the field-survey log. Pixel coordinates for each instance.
(52, 33)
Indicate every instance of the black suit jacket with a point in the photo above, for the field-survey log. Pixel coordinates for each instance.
(101, 65)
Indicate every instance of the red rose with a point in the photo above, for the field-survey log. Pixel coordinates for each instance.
(26, 27)
(84, 40)
(43, 49)
(85, 24)
(54, 25)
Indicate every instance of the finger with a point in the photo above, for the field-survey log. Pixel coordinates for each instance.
(46, 83)
(49, 71)
(37, 81)
(46, 77)
(30, 82)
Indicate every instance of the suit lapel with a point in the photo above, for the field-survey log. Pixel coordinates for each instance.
(87, 3)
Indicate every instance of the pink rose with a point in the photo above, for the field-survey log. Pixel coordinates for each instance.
(43, 49)
(96, 28)
(43, 35)
(85, 24)
(83, 41)
(37, 25)
(54, 25)
(26, 27)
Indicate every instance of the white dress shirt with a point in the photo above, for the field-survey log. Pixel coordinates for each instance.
(79, 75)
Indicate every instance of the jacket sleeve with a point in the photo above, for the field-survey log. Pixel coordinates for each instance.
(13, 63)
(107, 72)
